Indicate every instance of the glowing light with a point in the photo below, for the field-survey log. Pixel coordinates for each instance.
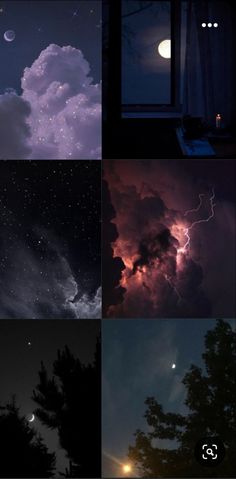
(9, 35)
(215, 25)
(204, 25)
(32, 418)
(186, 247)
(173, 366)
(209, 25)
(164, 49)
(172, 285)
(200, 196)
(127, 468)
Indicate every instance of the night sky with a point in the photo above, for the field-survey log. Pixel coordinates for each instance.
(174, 239)
(51, 79)
(145, 73)
(20, 362)
(137, 362)
(50, 240)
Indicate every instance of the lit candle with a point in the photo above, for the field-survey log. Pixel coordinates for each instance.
(218, 121)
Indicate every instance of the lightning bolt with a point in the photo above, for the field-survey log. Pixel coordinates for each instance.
(186, 246)
(198, 207)
(167, 278)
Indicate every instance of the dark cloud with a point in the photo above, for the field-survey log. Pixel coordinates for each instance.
(113, 265)
(166, 232)
(30, 290)
(14, 129)
(50, 240)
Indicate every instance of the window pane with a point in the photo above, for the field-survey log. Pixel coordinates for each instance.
(146, 64)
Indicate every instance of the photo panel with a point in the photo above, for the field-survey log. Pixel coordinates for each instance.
(169, 91)
(50, 400)
(169, 239)
(50, 86)
(168, 402)
(50, 247)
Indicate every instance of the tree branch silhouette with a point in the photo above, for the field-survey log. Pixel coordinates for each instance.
(211, 403)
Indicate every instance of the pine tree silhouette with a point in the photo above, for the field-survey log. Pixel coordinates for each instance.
(22, 452)
(211, 401)
(70, 402)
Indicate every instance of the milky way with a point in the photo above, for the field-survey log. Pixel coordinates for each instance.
(171, 220)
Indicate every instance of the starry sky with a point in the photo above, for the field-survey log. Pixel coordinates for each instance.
(20, 362)
(50, 240)
(51, 77)
(37, 24)
(174, 244)
(137, 362)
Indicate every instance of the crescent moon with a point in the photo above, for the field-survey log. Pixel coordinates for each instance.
(32, 418)
(9, 36)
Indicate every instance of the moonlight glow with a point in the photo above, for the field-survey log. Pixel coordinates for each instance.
(9, 36)
(164, 49)
(32, 418)
(127, 468)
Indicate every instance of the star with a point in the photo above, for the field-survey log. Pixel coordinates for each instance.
(75, 13)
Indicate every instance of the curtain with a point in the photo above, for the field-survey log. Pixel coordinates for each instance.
(209, 83)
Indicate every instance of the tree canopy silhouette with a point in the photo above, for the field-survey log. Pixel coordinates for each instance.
(211, 402)
(70, 402)
(23, 453)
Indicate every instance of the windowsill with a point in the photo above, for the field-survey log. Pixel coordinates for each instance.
(158, 115)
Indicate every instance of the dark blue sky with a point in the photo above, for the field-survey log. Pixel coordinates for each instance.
(145, 74)
(137, 360)
(37, 24)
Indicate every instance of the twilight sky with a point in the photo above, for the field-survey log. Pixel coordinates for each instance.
(175, 239)
(20, 363)
(137, 362)
(50, 86)
(50, 240)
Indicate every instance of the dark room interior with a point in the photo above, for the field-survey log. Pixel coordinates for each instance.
(170, 86)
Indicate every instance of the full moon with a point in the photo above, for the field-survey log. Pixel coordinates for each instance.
(164, 49)
(9, 36)
(173, 366)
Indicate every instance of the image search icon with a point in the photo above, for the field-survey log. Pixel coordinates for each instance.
(210, 451)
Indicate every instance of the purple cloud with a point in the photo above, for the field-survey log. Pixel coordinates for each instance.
(62, 109)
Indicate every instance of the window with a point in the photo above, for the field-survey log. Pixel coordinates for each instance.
(153, 53)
